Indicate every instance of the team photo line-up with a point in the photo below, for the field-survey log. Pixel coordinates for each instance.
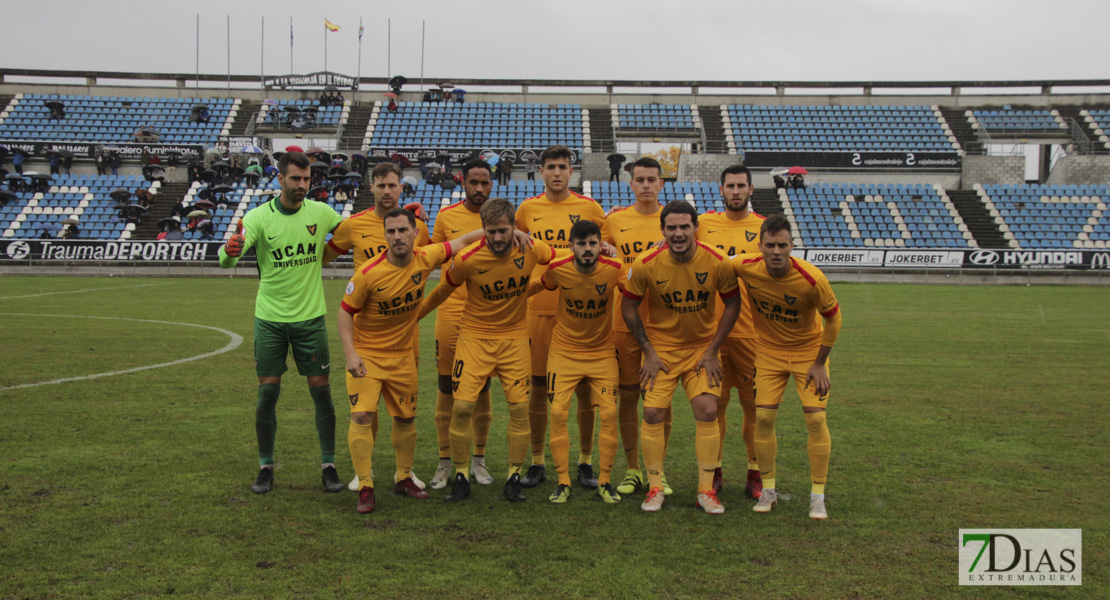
(554, 298)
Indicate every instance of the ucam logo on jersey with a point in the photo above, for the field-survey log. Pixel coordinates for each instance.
(1021, 557)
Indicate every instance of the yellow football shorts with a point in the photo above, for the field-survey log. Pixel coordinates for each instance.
(475, 360)
(738, 360)
(681, 364)
(629, 358)
(447, 335)
(391, 377)
(539, 331)
(565, 370)
(772, 373)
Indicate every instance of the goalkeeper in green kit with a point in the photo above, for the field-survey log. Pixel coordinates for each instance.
(289, 236)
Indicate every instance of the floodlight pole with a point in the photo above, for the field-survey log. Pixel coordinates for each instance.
(422, 55)
(262, 63)
(196, 85)
(389, 49)
(229, 55)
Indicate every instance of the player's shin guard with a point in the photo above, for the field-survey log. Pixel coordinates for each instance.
(766, 444)
(819, 448)
(587, 418)
(722, 422)
(462, 434)
(444, 403)
(483, 416)
(747, 402)
(537, 421)
(265, 421)
(651, 439)
(518, 436)
(707, 442)
(404, 446)
(560, 442)
(607, 444)
(360, 441)
(325, 422)
(629, 418)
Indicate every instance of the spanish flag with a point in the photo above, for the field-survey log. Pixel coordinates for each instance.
(330, 26)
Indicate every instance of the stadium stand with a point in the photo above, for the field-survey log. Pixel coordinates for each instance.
(476, 125)
(301, 114)
(114, 119)
(844, 128)
(1099, 120)
(1042, 216)
(704, 195)
(678, 117)
(82, 196)
(1009, 121)
(240, 200)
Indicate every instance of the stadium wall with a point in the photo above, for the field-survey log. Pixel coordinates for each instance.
(1081, 169)
(992, 169)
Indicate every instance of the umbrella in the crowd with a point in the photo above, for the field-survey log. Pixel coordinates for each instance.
(390, 95)
(42, 176)
(220, 163)
(139, 208)
(65, 154)
(447, 183)
(320, 165)
(204, 194)
(20, 151)
(204, 205)
(397, 81)
(402, 160)
(204, 223)
(222, 188)
(50, 153)
(379, 154)
(48, 227)
(317, 192)
(434, 166)
(443, 157)
(352, 176)
(493, 159)
(54, 104)
(174, 235)
(358, 156)
(337, 176)
(197, 213)
(13, 177)
(30, 173)
(71, 221)
(340, 156)
(290, 108)
(169, 222)
(154, 170)
(7, 196)
(616, 157)
(315, 150)
(779, 171)
(294, 148)
(144, 194)
(409, 179)
(120, 194)
(447, 85)
(208, 151)
(252, 149)
(798, 171)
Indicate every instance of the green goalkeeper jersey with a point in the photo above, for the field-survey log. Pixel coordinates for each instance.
(290, 247)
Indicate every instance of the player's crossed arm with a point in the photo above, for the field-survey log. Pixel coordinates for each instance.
(346, 327)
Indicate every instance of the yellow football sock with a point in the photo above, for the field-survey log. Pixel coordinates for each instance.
(444, 403)
(483, 416)
(560, 442)
(462, 434)
(518, 436)
(819, 447)
(587, 422)
(707, 442)
(537, 421)
(722, 422)
(629, 418)
(607, 443)
(747, 430)
(360, 441)
(374, 424)
(404, 447)
(766, 444)
(667, 429)
(651, 439)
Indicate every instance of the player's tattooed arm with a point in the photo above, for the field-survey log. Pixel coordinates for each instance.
(630, 310)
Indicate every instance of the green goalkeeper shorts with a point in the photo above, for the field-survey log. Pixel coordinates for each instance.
(306, 340)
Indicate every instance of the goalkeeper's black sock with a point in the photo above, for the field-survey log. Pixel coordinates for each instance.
(265, 421)
(325, 422)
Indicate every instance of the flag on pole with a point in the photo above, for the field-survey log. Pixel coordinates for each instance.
(290, 32)
(360, 28)
(330, 26)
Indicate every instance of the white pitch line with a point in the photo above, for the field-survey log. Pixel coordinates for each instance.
(121, 287)
(236, 340)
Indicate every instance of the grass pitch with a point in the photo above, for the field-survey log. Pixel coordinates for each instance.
(952, 407)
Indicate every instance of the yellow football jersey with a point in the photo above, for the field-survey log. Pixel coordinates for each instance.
(365, 232)
(786, 308)
(733, 238)
(385, 299)
(453, 222)
(583, 324)
(550, 223)
(497, 289)
(680, 295)
(632, 233)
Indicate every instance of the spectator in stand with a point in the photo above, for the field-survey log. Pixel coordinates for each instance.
(115, 162)
(392, 106)
(101, 163)
(267, 161)
(615, 162)
(236, 162)
(253, 174)
(171, 165)
(57, 110)
(144, 158)
(180, 209)
(341, 196)
(17, 162)
(505, 172)
(530, 168)
(67, 163)
(798, 182)
(71, 232)
(780, 183)
(55, 164)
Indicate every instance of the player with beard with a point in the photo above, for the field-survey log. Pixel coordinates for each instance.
(735, 232)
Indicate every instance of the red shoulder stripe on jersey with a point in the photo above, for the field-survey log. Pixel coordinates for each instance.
(349, 308)
(711, 251)
(359, 214)
(727, 295)
(576, 195)
(628, 294)
(331, 244)
(559, 263)
(376, 262)
(447, 247)
(755, 214)
(449, 207)
(832, 311)
(748, 261)
(481, 244)
(655, 253)
(447, 276)
(608, 261)
(802, 272)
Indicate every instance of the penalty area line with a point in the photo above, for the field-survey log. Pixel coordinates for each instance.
(235, 341)
(120, 287)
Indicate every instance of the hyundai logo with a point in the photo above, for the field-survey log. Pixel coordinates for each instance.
(984, 257)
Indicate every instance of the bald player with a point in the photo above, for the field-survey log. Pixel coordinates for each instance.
(788, 295)
(548, 218)
(735, 232)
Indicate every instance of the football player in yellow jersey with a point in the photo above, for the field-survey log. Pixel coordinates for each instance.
(548, 218)
(632, 231)
(680, 342)
(788, 294)
(452, 222)
(582, 350)
(493, 338)
(735, 232)
(363, 232)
